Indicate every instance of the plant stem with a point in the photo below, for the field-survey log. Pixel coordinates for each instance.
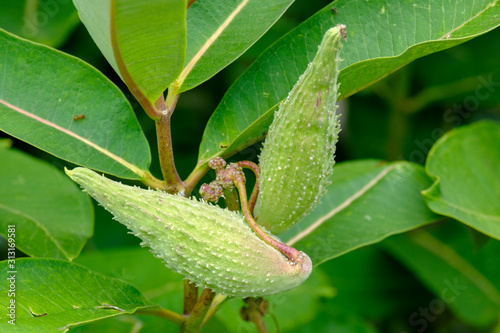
(153, 182)
(162, 313)
(231, 199)
(256, 316)
(255, 192)
(193, 323)
(217, 302)
(173, 184)
(291, 253)
(196, 175)
(190, 296)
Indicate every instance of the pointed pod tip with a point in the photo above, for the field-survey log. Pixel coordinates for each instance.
(342, 31)
(305, 266)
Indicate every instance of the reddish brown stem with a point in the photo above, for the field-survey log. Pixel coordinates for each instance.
(255, 168)
(194, 321)
(256, 316)
(190, 296)
(291, 253)
(164, 136)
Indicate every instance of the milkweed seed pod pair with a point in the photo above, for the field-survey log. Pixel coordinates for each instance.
(214, 247)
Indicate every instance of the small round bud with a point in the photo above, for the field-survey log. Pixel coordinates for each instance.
(224, 179)
(217, 163)
(211, 192)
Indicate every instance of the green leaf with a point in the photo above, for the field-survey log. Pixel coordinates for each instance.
(139, 267)
(131, 324)
(42, 90)
(219, 32)
(467, 282)
(44, 21)
(283, 305)
(52, 295)
(367, 201)
(465, 163)
(380, 40)
(144, 41)
(51, 216)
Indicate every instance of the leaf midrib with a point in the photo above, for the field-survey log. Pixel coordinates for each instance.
(342, 206)
(189, 67)
(85, 141)
(444, 252)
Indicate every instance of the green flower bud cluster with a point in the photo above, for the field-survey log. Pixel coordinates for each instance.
(298, 154)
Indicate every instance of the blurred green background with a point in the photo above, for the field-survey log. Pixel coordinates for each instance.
(399, 117)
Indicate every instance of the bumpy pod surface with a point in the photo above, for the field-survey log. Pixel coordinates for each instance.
(298, 154)
(211, 246)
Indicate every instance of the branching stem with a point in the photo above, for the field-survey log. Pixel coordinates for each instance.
(195, 176)
(193, 323)
(217, 302)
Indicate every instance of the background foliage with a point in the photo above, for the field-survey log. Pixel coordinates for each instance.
(438, 111)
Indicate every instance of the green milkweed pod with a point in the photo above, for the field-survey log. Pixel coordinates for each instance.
(213, 247)
(298, 154)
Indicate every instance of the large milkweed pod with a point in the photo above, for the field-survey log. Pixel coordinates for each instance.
(298, 154)
(213, 247)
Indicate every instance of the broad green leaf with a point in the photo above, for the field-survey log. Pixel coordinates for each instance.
(53, 295)
(284, 306)
(465, 164)
(50, 215)
(129, 324)
(44, 21)
(367, 201)
(470, 287)
(42, 91)
(381, 39)
(144, 41)
(220, 31)
(137, 266)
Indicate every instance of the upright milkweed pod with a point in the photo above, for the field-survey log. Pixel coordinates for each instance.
(213, 247)
(298, 154)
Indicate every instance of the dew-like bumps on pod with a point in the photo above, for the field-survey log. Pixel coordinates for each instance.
(298, 154)
(212, 247)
